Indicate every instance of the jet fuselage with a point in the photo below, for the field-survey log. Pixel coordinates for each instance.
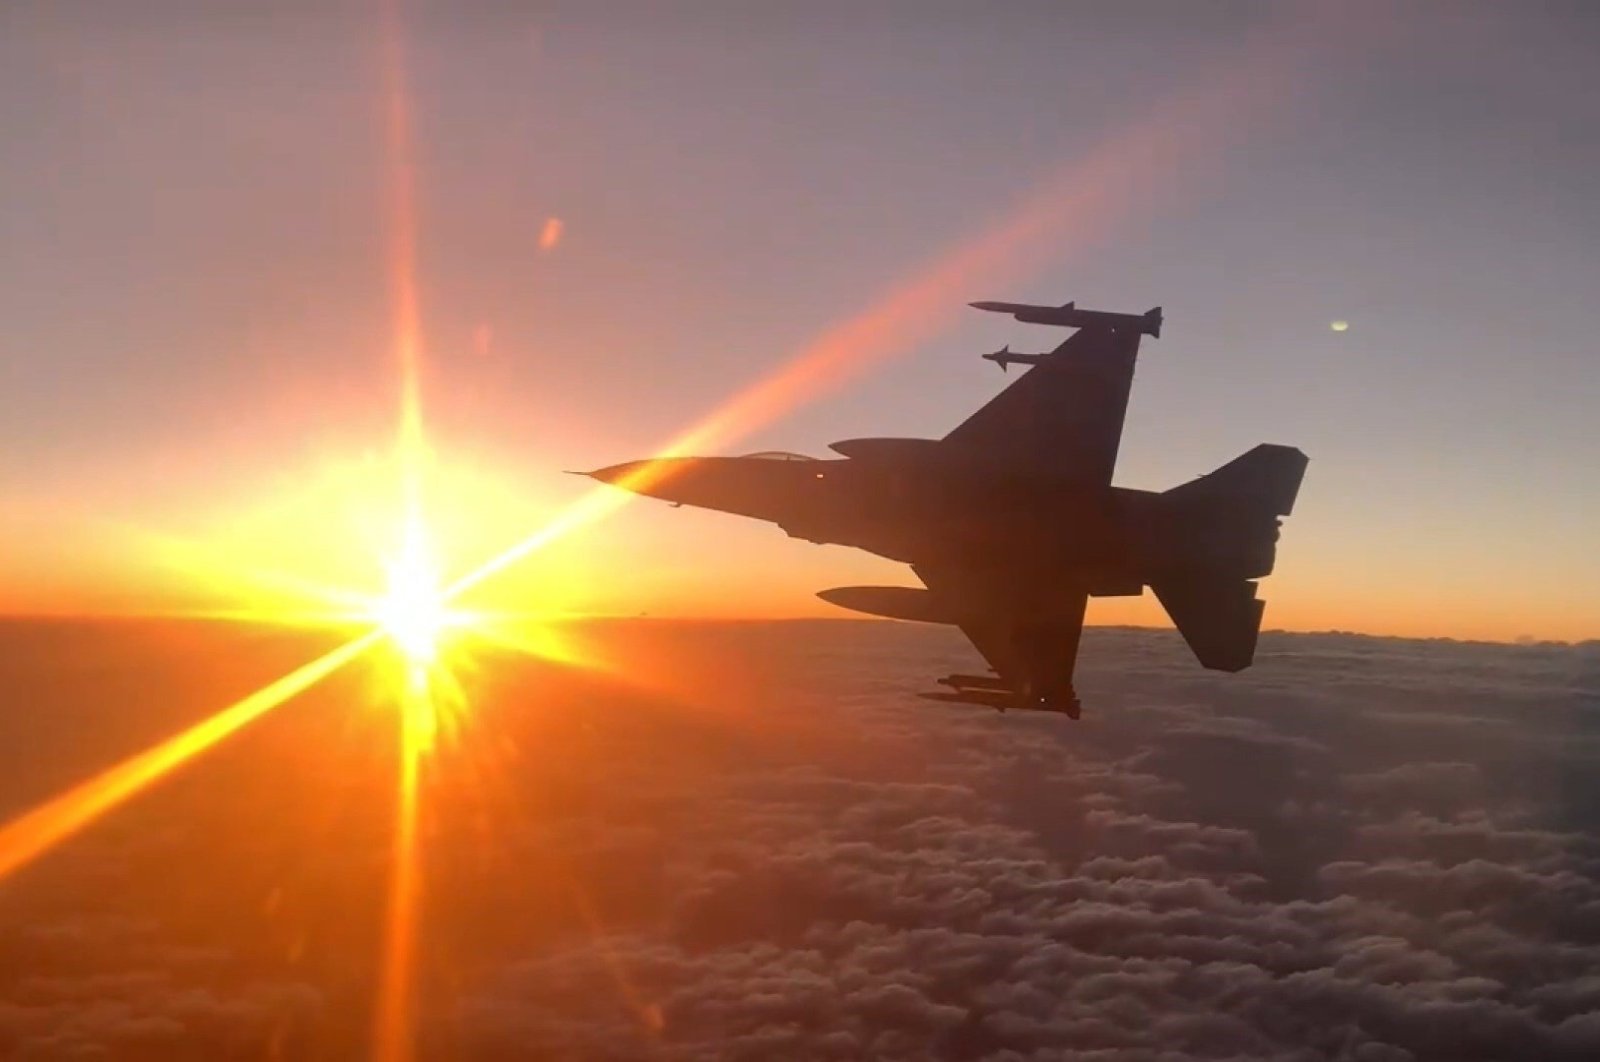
(925, 505)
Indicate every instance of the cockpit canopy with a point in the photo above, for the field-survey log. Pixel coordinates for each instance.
(778, 455)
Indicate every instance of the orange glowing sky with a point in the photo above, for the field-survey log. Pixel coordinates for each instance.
(608, 237)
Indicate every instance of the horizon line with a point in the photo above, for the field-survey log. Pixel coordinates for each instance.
(245, 618)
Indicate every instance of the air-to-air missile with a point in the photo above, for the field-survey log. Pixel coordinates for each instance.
(1069, 316)
(1005, 357)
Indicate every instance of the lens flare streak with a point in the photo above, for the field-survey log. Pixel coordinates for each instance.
(415, 615)
(393, 1039)
(35, 832)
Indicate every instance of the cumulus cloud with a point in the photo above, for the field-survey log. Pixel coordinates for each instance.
(112, 989)
(1201, 869)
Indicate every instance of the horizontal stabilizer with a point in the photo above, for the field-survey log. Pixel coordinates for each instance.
(1219, 620)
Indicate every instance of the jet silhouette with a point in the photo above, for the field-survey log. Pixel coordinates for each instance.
(1011, 521)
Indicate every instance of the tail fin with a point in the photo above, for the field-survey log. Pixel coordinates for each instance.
(1264, 481)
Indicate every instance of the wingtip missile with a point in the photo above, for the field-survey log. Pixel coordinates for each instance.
(1017, 309)
(1069, 316)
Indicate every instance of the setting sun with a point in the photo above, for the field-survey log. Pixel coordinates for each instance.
(413, 611)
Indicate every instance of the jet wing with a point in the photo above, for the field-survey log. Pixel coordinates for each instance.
(1029, 635)
(1062, 418)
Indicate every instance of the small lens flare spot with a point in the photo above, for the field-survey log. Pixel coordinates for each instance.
(550, 235)
(1339, 326)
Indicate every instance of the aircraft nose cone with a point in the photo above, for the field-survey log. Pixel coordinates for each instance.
(616, 475)
(657, 477)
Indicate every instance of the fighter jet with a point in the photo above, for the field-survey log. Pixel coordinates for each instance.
(1011, 522)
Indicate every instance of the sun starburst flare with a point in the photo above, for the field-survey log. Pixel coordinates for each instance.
(33, 833)
(414, 611)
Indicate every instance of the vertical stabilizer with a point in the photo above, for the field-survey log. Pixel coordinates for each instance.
(1265, 481)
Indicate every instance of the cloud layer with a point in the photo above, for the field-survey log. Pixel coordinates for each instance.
(1363, 850)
